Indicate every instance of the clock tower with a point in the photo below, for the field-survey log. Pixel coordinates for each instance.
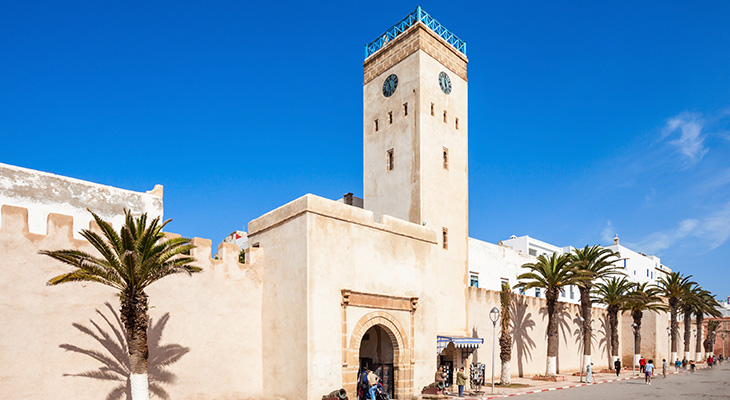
(415, 145)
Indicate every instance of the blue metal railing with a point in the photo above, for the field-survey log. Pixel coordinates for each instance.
(417, 15)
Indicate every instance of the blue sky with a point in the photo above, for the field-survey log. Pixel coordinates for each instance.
(586, 119)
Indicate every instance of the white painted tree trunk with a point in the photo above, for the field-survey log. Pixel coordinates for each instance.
(586, 361)
(674, 356)
(506, 377)
(140, 386)
(636, 360)
(552, 366)
(698, 356)
(687, 355)
(613, 361)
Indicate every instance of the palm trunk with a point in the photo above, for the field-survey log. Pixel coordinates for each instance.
(505, 355)
(613, 326)
(698, 346)
(586, 307)
(552, 332)
(134, 317)
(687, 333)
(675, 327)
(637, 316)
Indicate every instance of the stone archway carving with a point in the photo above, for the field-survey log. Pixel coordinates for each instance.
(403, 369)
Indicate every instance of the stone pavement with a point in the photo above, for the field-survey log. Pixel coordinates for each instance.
(573, 382)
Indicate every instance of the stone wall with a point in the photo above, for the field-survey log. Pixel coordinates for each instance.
(205, 330)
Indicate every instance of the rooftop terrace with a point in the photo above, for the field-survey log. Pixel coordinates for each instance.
(418, 15)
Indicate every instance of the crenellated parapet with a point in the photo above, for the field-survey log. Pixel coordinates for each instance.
(15, 235)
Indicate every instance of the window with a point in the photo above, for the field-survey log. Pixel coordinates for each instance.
(376, 125)
(390, 160)
(444, 116)
(456, 123)
(537, 292)
(652, 275)
(474, 279)
(390, 117)
(502, 281)
(572, 294)
(522, 291)
(647, 273)
(405, 108)
(562, 292)
(432, 109)
(445, 235)
(532, 252)
(446, 158)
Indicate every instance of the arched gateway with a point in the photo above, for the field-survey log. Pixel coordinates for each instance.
(387, 326)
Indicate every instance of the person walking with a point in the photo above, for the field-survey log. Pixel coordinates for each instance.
(373, 380)
(684, 363)
(589, 373)
(648, 369)
(709, 361)
(677, 364)
(642, 365)
(664, 367)
(461, 381)
(692, 366)
(617, 366)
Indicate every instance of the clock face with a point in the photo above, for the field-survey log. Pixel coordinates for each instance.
(445, 82)
(391, 82)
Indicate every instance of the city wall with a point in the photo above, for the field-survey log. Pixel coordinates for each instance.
(66, 341)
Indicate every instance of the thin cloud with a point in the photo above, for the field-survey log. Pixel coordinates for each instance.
(663, 240)
(691, 142)
(715, 229)
(607, 233)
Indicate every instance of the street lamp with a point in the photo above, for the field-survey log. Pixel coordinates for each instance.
(694, 334)
(580, 347)
(633, 363)
(494, 316)
(723, 344)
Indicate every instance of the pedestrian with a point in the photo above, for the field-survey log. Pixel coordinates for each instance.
(648, 369)
(642, 364)
(617, 366)
(373, 382)
(664, 367)
(684, 363)
(692, 366)
(439, 376)
(721, 359)
(676, 365)
(461, 381)
(709, 361)
(362, 386)
(589, 373)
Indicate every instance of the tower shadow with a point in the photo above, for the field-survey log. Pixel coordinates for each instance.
(114, 360)
(522, 325)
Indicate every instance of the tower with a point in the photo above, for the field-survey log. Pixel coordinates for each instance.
(415, 143)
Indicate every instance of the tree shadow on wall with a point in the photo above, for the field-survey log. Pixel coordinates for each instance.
(114, 359)
(522, 325)
(562, 317)
(605, 342)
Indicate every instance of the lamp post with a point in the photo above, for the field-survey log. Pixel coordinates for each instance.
(694, 334)
(669, 345)
(633, 358)
(494, 316)
(580, 348)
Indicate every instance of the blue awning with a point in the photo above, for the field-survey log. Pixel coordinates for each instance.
(459, 342)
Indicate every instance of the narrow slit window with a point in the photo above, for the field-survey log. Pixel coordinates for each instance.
(389, 160)
(456, 123)
(444, 116)
(433, 109)
(445, 235)
(405, 109)
(390, 117)
(446, 158)
(376, 125)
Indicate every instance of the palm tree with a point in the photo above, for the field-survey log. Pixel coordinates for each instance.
(130, 261)
(712, 326)
(642, 297)
(706, 305)
(505, 338)
(614, 294)
(594, 263)
(551, 274)
(688, 302)
(672, 287)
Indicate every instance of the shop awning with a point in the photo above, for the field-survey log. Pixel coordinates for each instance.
(459, 342)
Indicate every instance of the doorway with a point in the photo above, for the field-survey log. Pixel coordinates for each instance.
(376, 354)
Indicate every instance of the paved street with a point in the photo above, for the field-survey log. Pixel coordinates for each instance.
(704, 384)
